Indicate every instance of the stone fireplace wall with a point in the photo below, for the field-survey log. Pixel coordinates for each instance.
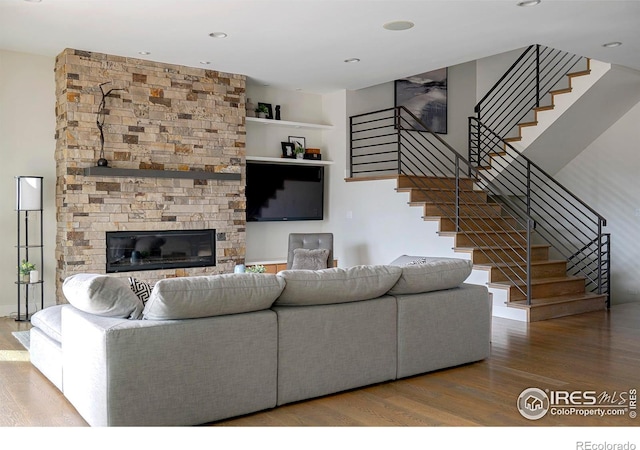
(161, 117)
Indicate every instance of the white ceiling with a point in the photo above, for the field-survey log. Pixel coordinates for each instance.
(302, 44)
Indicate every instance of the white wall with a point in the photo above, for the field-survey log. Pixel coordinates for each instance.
(605, 176)
(490, 69)
(27, 146)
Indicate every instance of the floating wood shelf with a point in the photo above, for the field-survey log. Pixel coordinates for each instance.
(149, 173)
(310, 162)
(290, 124)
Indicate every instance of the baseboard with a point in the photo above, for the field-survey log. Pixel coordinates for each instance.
(12, 310)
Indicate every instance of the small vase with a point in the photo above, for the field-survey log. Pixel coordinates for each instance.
(262, 115)
(26, 278)
(34, 276)
(300, 155)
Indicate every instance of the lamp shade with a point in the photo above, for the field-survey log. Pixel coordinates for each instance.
(29, 193)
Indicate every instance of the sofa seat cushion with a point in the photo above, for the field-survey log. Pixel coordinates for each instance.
(49, 321)
(426, 274)
(336, 285)
(102, 295)
(215, 295)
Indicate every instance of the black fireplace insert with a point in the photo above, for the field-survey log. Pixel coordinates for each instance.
(128, 251)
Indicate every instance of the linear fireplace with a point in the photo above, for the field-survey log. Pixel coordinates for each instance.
(128, 251)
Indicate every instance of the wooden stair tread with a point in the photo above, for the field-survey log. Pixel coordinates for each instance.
(528, 124)
(561, 91)
(409, 189)
(535, 281)
(560, 306)
(544, 108)
(579, 74)
(425, 178)
(513, 139)
(477, 232)
(468, 249)
(474, 217)
(427, 202)
(546, 301)
(486, 266)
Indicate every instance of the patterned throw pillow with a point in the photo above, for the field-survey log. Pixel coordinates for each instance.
(141, 288)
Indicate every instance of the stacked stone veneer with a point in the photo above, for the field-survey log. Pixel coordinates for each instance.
(163, 117)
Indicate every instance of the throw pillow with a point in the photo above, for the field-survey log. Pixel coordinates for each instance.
(305, 259)
(141, 288)
(102, 295)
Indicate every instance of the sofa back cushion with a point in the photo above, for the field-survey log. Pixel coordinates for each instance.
(426, 274)
(102, 295)
(336, 285)
(215, 295)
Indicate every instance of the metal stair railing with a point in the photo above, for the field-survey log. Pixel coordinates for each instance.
(523, 86)
(386, 142)
(573, 228)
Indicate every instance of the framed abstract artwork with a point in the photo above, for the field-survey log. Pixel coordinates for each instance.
(425, 96)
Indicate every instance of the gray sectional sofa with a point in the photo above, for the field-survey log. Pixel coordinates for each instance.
(213, 347)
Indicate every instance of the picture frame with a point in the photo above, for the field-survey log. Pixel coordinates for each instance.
(287, 150)
(425, 95)
(269, 109)
(298, 140)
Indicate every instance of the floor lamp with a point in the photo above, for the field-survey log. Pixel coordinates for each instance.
(29, 204)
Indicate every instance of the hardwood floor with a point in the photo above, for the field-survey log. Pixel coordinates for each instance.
(597, 351)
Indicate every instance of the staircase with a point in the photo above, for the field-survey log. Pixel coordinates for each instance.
(495, 244)
(539, 248)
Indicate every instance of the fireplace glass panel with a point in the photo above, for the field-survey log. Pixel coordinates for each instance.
(129, 251)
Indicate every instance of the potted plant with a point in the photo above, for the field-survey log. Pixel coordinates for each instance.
(262, 111)
(25, 269)
(299, 151)
(258, 268)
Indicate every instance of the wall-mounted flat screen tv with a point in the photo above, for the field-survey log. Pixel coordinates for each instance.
(277, 192)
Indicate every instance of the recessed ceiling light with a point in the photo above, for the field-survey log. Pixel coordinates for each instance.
(205, 62)
(33, 1)
(612, 44)
(398, 25)
(529, 3)
(352, 60)
(144, 53)
(218, 34)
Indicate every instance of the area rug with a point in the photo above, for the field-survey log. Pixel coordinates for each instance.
(22, 337)
(14, 355)
(17, 355)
